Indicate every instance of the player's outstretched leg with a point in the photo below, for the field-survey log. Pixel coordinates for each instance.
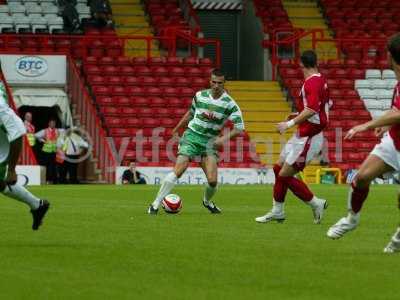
(169, 181)
(209, 166)
(394, 244)
(301, 190)
(38, 207)
(166, 187)
(280, 189)
(356, 198)
(275, 214)
(209, 192)
(39, 213)
(371, 168)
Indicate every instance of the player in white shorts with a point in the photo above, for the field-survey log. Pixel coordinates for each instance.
(305, 144)
(12, 130)
(384, 158)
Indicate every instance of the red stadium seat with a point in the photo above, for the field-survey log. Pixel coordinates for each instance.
(166, 122)
(99, 90)
(173, 61)
(139, 101)
(150, 122)
(96, 80)
(187, 92)
(147, 81)
(92, 70)
(134, 122)
(109, 111)
(96, 48)
(156, 61)
(139, 61)
(162, 112)
(106, 60)
(181, 81)
(130, 112)
(102, 100)
(118, 90)
(165, 81)
(171, 92)
(114, 122)
(146, 112)
(176, 71)
(142, 71)
(152, 91)
(114, 80)
(122, 100)
(134, 91)
(131, 80)
(190, 61)
(122, 61)
(121, 132)
(156, 102)
(159, 71)
(127, 71)
(110, 70)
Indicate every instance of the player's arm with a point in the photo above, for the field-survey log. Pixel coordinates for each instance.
(237, 119)
(313, 103)
(389, 118)
(300, 118)
(184, 121)
(219, 142)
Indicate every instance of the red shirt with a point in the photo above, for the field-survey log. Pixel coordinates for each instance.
(315, 96)
(394, 131)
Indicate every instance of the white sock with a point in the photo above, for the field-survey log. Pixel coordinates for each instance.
(353, 218)
(167, 185)
(277, 207)
(313, 202)
(209, 193)
(396, 235)
(19, 193)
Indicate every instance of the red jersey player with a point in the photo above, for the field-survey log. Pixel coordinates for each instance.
(305, 144)
(384, 158)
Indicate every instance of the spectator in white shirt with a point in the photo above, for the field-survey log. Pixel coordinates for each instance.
(72, 145)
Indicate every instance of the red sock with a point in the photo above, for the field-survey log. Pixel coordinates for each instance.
(358, 196)
(299, 188)
(280, 186)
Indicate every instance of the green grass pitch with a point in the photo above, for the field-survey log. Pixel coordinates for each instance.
(98, 243)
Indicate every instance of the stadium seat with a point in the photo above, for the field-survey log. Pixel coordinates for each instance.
(121, 100)
(373, 74)
(130, 80)
(388, 74)
(147, 81)
(130, 111)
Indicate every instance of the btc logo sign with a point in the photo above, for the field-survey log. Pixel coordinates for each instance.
(31, 66)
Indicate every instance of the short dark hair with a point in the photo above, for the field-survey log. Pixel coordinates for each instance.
(309, 59)
(393, 47)
(218, 73)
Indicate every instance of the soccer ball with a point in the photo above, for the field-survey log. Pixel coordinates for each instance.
(172, 203)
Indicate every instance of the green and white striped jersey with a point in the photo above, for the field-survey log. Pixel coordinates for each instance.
(210, 115)
(3, 94)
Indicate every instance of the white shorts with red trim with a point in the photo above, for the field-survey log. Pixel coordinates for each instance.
(386, 151)
(299, 151)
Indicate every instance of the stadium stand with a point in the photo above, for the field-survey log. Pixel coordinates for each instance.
(136, 94)
(358, 67)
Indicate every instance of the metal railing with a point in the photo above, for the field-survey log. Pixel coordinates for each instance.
(90, 122)
(27, 157)
(317, 37)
